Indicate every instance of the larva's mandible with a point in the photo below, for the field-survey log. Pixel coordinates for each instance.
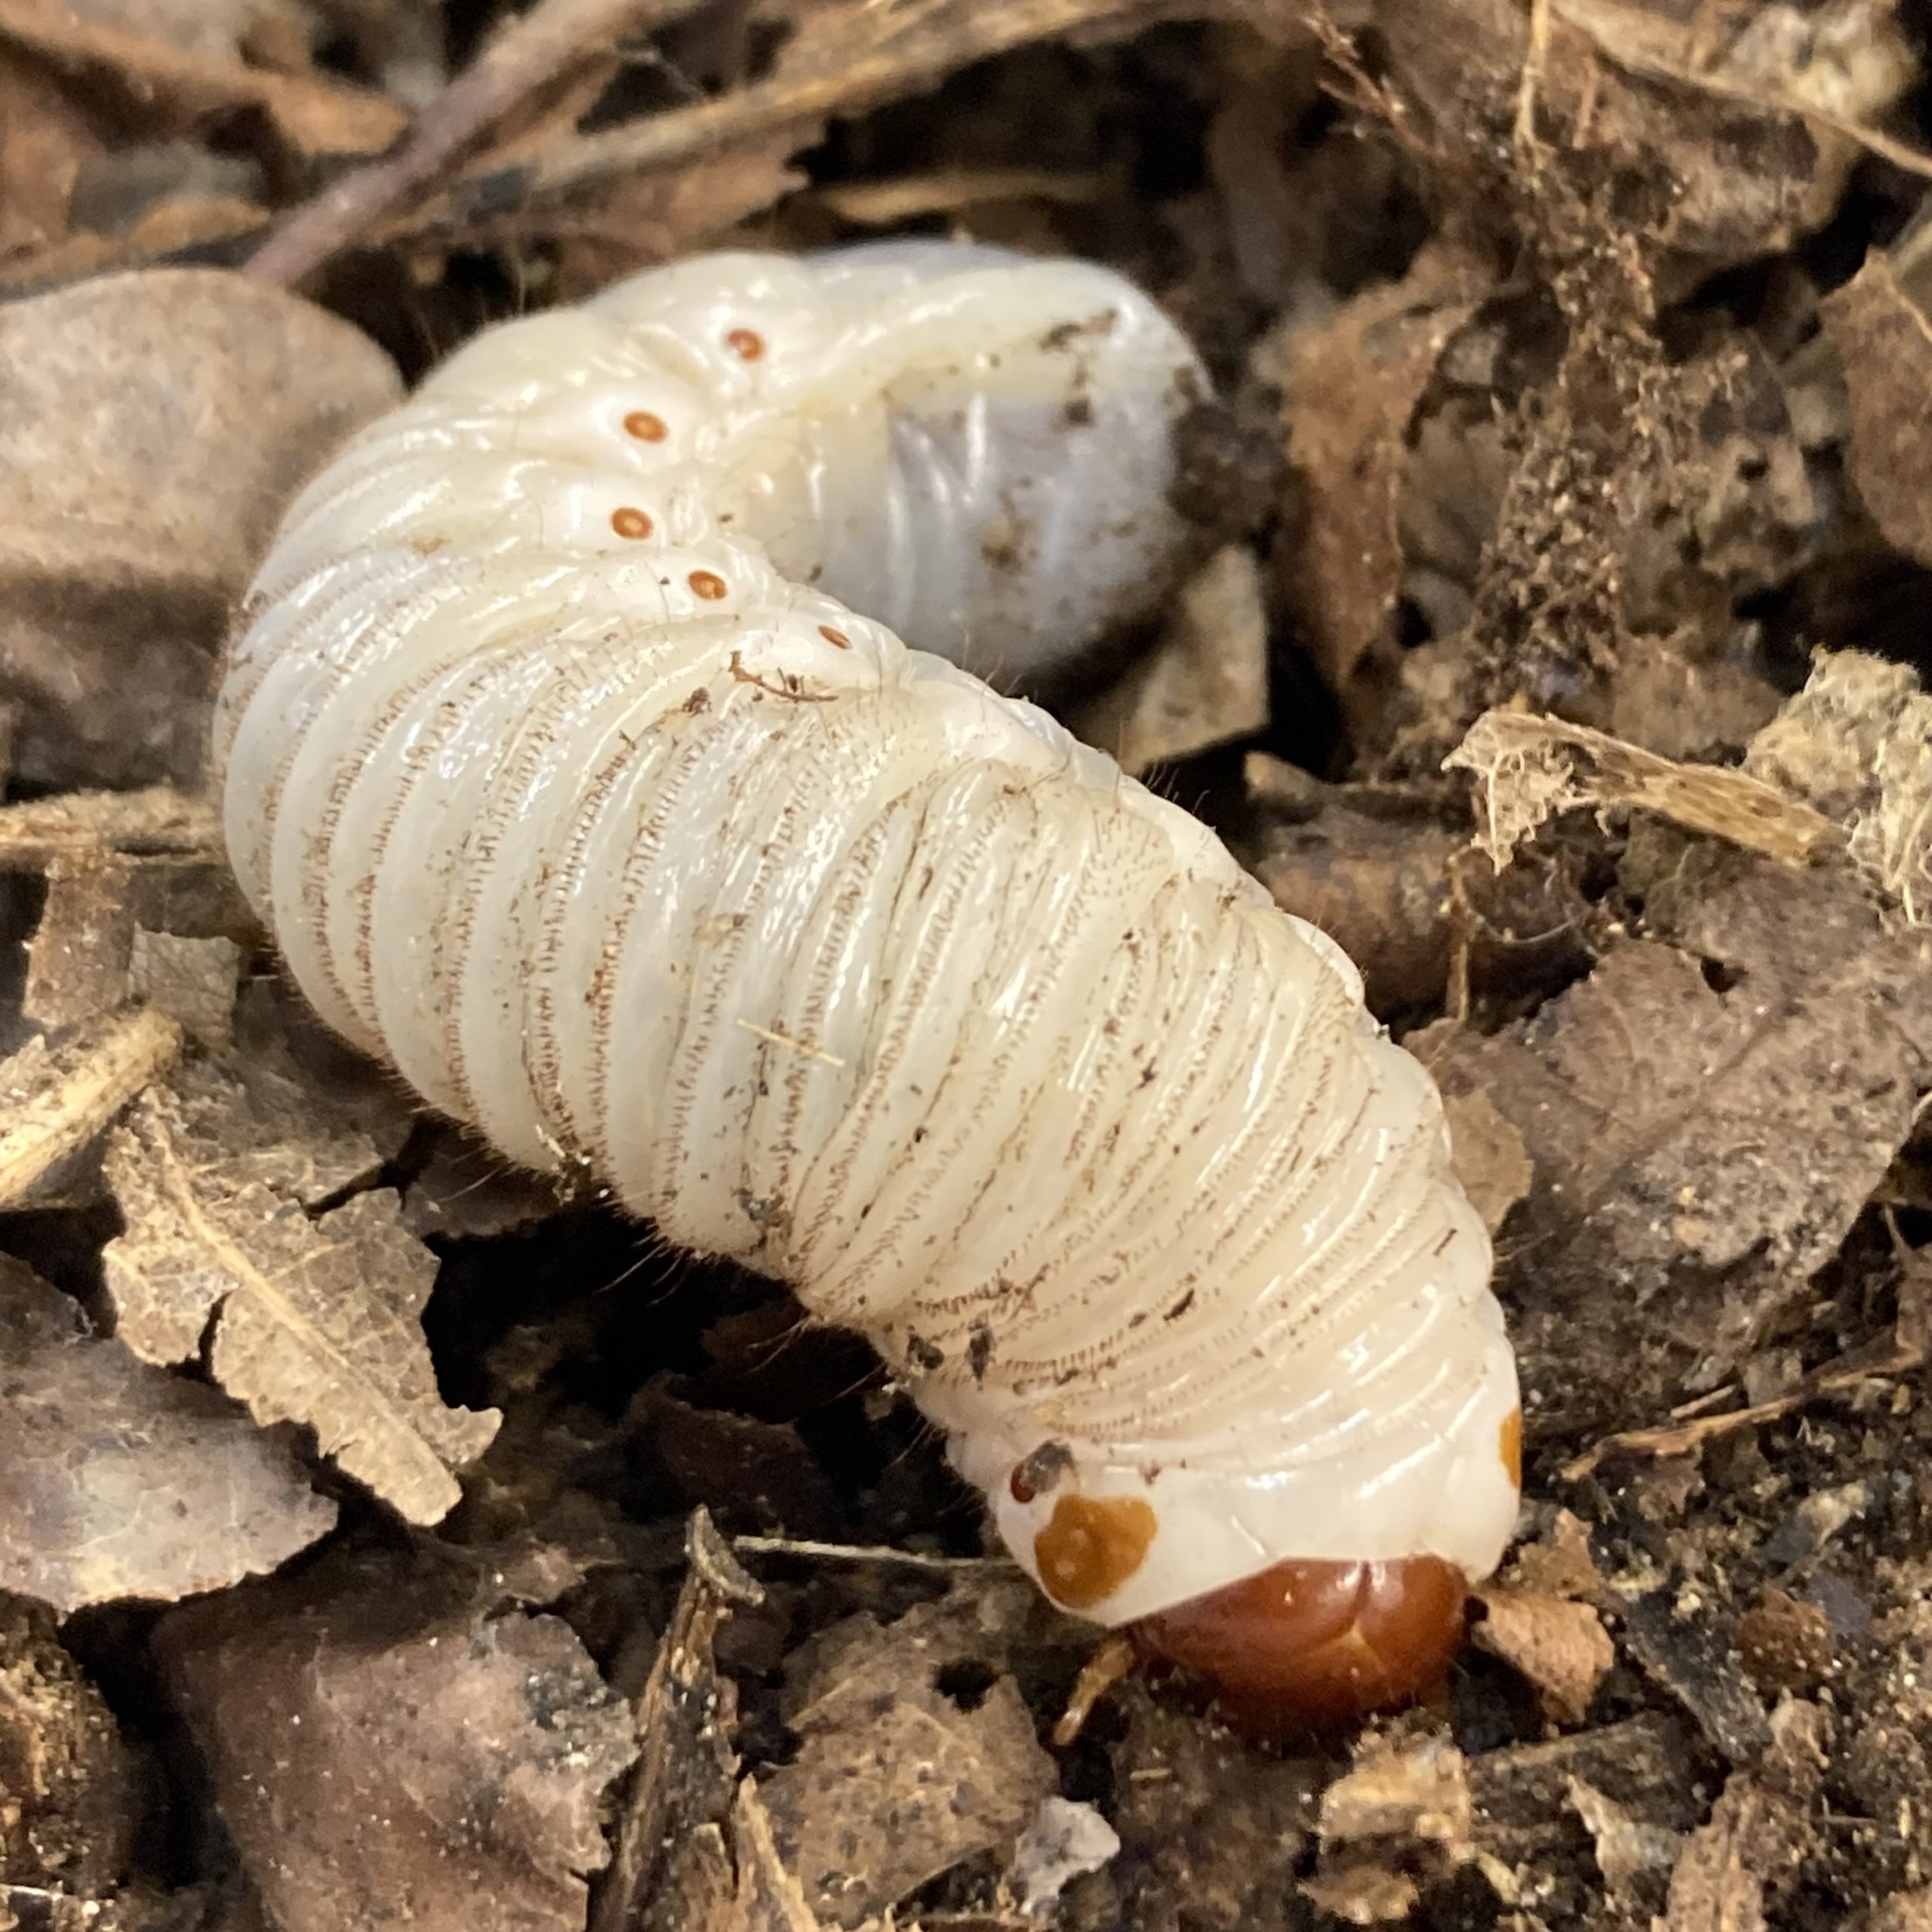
(570, 780)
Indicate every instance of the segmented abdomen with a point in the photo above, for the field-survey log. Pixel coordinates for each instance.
(622, 843)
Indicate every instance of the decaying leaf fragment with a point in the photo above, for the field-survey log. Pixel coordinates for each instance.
(78, 961)
(1732, 123)
(1856, 744)
(157, 822)
(895, 1780)
(1731, 1869)
(1560, 1646)
(313, 1321)
(1204, 682)
(1885, 346)
(175, 87)
(389, 1749)
(1398, 1819)
(1386, 871)
(1705, 1115)
(119, 1480)
(1350, 393)
(1531, 768)
(1632, 1856)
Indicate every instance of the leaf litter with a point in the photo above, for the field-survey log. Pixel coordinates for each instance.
(1573, 352)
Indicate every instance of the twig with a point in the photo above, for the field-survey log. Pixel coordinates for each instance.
(1898, 1355)
(552, 39)
(855, 1552)
(888, 52)
(1533, 62)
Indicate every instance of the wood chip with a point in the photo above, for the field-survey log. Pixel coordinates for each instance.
(56, 1099)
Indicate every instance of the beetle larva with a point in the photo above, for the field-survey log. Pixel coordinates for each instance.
(562, 793)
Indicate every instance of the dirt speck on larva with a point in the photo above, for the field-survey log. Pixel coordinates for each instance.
(1569, 365)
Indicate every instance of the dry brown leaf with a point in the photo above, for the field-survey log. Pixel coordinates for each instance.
(1644, 496)
(1706, 1117)
(1205, 681)
(898, 199)
(1529, 769)
(183, 227)
(1419, 1791)
(1884, 344)
(1548, 490)
(1903, 1911)
(388, 1750)
(1386, 871)
(153, 427)
(840, 59)
(1558, 1561)
(1839, 70)
(1733, 124)
(277, 1126)
(118, 1480)
(1350, 393)
(1523, 1816)
(895, 1781)
(1561, 1647)
(167, 89)
(1491, 1161)
(769, 1898)
(215, 29)
(53, 1100)
(313, 1321)
(194, 980)
(640, 221)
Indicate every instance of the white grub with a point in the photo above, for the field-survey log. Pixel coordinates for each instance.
(569, 788)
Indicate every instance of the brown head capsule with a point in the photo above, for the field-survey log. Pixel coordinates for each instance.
(1309, 1644)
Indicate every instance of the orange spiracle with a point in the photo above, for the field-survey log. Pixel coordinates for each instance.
(1307, 1645)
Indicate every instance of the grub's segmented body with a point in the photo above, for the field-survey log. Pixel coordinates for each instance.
(567, 786)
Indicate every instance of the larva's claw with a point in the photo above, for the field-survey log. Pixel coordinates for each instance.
(1113, 1660)
(1307, 1645)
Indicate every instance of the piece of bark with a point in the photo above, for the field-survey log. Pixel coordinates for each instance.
(389, 1748)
